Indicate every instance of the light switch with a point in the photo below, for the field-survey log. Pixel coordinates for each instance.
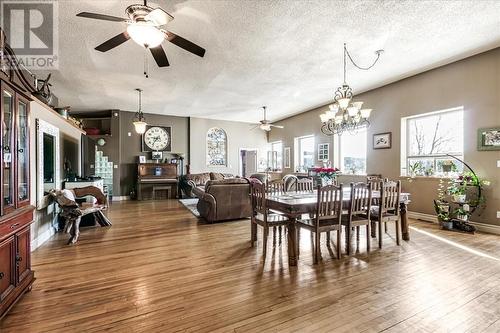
(129, 134)
(498, 214)
(115, 166)
(498, 164)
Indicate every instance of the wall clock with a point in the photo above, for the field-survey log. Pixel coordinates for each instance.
(157, 138)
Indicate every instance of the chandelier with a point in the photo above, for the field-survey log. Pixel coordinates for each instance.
(344, 114)
(139, 120)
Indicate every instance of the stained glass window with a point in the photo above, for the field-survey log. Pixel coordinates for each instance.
(216, 147)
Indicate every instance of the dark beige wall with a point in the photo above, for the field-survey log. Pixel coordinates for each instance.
(473, 83)
(130, 146)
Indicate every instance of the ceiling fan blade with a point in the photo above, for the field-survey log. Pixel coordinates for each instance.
(159, 17)
(160, 56)
(113, 42)
(185, 44)
(101, 17)
(277, 126)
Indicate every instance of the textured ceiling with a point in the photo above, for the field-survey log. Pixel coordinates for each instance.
(284, 54)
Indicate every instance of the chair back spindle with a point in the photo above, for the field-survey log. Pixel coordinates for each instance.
(305, 185)
(361, 198)
(329, 206)
(389, 197)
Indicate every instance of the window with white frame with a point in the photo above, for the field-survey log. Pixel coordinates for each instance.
(304, 153)
(353, 152)
(428, 139)
(275, 156)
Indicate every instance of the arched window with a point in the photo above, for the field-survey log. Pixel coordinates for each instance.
(216, 147)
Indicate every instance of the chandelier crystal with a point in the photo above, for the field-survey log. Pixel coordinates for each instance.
(345, 115)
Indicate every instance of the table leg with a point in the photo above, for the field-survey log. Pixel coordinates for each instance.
(404, 221)
(292, 243)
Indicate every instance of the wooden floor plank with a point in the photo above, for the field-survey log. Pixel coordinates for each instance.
(160, 269)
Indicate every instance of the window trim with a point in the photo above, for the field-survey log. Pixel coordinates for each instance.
(340, 157)
(279, 167)
(405, 142)
(296, 148)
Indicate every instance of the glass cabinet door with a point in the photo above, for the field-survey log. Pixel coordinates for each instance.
(7, 150)
(22, 153)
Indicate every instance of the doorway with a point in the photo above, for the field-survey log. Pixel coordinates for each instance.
(248, 161)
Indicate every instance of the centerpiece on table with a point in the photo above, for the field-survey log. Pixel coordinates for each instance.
(327, 175)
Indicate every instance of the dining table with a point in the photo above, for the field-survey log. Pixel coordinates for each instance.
(294, 204)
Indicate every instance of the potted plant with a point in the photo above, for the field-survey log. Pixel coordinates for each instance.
(458, 191)
(463, 212)
(327, 175)
(442, 209)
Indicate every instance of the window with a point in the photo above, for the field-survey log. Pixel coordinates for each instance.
(304, 153)
(427, 139)
(275, 156)
(216, 147)
(353, 152)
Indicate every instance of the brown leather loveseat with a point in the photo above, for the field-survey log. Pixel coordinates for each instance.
(226, 199)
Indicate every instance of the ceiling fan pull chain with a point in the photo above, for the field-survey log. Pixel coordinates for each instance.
(146, 64)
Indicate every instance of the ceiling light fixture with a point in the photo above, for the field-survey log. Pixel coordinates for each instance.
(344, 114)
(145, 34)
(139, 120)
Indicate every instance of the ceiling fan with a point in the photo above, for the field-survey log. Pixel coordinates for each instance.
(265, 124)
(145, 25)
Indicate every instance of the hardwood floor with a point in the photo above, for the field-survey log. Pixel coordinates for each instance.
(159, 269)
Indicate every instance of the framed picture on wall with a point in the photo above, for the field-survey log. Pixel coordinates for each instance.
(488, 138)
(323, 151)
(142, 159)
(382, 140)
(156, 155)
(287, 157)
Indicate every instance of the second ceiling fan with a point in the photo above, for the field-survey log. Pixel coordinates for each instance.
(145, 26)
(265, 124)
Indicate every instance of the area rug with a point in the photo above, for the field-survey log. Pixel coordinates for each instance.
(190, 204)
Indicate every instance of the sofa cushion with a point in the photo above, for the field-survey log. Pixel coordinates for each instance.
(225, 182)
(199, 178)
(220, 176)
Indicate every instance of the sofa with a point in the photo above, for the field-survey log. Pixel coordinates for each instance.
(225, 199)
(188, 183)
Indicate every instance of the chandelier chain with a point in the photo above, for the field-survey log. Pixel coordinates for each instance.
(346, 53)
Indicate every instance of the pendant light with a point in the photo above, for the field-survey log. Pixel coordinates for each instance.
(139, 120)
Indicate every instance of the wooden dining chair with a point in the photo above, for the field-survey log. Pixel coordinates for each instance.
(262, 216)
(328, 217)
(388, 209)
(358, 214)
(275, 187)
(305, 185)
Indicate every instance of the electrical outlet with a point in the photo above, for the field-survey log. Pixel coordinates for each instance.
(129, 134)
(498, 214)
(115, 166)
(498, 164)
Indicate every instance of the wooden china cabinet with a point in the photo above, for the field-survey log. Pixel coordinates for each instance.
(16, 213)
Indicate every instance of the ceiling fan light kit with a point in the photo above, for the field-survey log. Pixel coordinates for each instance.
(145, 34)
(345, 114)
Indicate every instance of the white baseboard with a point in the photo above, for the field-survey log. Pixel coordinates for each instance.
(121, 198)
(483, 227)
(35, 243)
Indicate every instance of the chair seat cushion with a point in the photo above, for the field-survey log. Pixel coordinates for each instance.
(273, 218)
(322, 223)
(374, 214)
